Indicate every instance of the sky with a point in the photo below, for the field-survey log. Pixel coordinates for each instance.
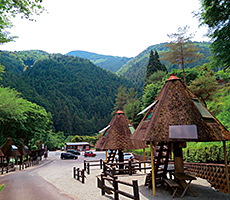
(108, 27)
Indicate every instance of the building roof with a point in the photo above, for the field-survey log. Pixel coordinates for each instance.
(118, 135)
(77, 143)
(179, 116)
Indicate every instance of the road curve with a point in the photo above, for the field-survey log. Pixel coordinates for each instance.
(28, 185)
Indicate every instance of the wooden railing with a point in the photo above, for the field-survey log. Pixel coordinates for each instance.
(130, 166)
(114, 179)
(96, 163)
(214, 173)
(79, 173)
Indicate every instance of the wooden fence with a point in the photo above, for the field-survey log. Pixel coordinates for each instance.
(79, 173)
(129, 167)
(114, 179)
(87, 164)
(214, 173)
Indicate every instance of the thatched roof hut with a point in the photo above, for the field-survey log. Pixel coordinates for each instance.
(177, 115)
(9, 149)
(118, 135)
(23, 149)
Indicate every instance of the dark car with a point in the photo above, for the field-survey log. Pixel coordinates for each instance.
(89, 154)
(68, 156)
(73, 152)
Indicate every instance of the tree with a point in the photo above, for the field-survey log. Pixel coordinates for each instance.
(132, 107)
(181, 50)
(121, 99)
(153, 66)
(9, 9)
(215, 14)
(205, 85)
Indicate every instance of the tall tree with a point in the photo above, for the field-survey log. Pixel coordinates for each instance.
(181, 50)
(153, 66)
(9, 9)
(121, 99)
(215, 14)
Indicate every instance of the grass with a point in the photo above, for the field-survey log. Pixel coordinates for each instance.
(2, 186)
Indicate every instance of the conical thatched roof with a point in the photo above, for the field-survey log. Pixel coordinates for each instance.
(7, 149)
(1, 154)
(179, 116)
(117, 136)
(23, 149)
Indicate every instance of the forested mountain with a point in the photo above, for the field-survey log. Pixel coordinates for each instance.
(79, 95)
(135, 69)
(112, 63)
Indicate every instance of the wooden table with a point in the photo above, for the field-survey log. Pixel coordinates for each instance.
(184, 180)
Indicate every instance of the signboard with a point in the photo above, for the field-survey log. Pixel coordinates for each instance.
(183, 132)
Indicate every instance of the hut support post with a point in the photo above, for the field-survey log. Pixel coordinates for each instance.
(153, 171)
(144, 160)
(226, 166)
(178, 158)
(106, 151)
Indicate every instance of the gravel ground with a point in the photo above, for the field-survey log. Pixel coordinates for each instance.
(61, 176)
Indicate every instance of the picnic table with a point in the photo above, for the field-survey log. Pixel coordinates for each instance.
(185, 180)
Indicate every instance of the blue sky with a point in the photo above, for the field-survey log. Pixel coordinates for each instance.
(118, 28)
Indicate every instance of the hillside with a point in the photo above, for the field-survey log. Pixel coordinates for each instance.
(79, 95)
(135, 69)
(112, 63)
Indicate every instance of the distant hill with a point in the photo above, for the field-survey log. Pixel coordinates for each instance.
(112, 63)
(135, 69)
(79, 95)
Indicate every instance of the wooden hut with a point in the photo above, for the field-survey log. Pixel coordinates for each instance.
(118, 136)
(10, 150)
(24, 151)
(177, 116)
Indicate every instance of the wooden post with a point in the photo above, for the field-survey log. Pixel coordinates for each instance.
(153, 171)
(106, 157)
(226, 166)
(84, 164)
(178, 158)
(83, 175)
(135, 190)
(130, 168)
(103, 184)
(87, 168)
(115, 185)
(104, 168)
(78, 173)
(113, 170)
(74, 170)
(144, 160)
(101, 163)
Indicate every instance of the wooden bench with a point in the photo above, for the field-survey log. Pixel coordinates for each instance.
(173, 185)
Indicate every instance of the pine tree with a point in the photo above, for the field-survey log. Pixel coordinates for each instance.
(153, 66)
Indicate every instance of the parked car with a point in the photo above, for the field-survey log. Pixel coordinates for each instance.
(68, 156)
(126, 155)
(73, 151)
(89, 154)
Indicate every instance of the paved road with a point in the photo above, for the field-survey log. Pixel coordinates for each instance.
(28, 185)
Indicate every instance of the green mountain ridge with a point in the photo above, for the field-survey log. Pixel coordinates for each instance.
(79, 94)
(135, 69)
(112, 63)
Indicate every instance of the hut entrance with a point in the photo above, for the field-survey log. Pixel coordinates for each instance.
(161, 160)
